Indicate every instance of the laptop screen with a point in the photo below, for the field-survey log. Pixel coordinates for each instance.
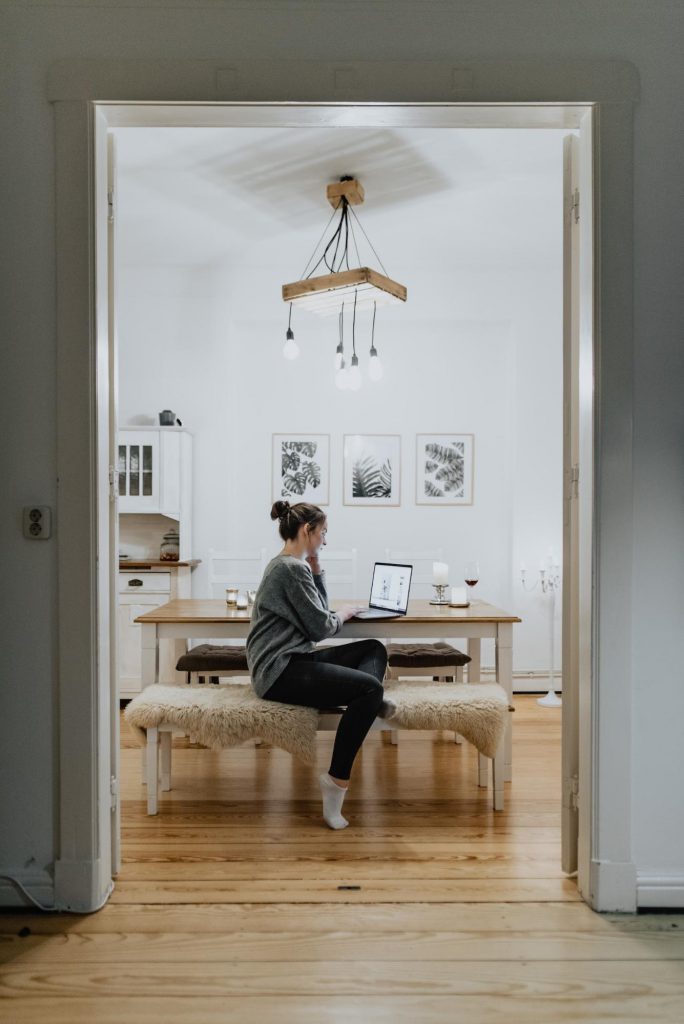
(390, 587)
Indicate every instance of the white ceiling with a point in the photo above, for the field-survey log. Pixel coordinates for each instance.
(256, 196)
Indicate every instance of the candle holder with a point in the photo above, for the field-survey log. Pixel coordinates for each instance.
(440, 593)
(550, 580)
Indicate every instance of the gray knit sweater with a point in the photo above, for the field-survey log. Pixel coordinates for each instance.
(290, 613)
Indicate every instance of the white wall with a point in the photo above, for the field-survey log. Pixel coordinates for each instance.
(486, 360)
(34, 37)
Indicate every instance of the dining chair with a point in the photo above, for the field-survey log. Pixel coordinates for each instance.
(244, 569)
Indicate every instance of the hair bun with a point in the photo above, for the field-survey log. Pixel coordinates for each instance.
(280, 509)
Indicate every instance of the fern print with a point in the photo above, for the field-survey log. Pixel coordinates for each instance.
(444, 469)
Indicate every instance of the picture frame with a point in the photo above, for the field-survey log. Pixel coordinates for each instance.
(372, 469)
(300, 468)
(445, 469)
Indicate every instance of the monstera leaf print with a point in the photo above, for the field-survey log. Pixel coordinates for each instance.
(299, 469)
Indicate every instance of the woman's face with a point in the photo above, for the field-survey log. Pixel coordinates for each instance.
(315, 537)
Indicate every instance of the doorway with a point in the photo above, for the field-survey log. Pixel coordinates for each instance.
(578, 400)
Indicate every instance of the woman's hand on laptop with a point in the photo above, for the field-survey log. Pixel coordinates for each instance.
(348, 611)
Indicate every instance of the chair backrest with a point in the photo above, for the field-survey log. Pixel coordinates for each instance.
(243, 569)
(340, 566)
(421, 560)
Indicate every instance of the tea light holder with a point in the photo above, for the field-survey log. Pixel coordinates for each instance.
(232, 596)
(440, 590)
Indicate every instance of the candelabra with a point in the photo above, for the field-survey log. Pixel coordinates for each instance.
(550, 581)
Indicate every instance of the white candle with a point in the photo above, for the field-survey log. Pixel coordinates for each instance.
(440, 573)
(523, 567)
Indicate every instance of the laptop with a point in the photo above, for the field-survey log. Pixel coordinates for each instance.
(389, 591)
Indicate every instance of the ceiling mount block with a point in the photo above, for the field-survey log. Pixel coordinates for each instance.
(350, 188)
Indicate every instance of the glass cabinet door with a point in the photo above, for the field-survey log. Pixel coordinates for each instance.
(138, 471)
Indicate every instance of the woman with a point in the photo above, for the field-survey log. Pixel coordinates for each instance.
(290, 614)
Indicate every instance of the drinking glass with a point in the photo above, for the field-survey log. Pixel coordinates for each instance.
(471, 575)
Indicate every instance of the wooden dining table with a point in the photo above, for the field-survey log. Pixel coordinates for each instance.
(188, 618)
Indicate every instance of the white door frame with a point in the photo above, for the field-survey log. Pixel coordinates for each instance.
(597, 98)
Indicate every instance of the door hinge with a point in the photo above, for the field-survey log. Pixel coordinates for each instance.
(574, 793)
(113, 484)
(574, 481)
(574, 204)
(110, 205)
(114, 791)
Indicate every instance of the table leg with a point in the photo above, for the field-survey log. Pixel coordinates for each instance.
(150, 669)
(152, 769)
(474, 646)
(150, 653)
(504, 676)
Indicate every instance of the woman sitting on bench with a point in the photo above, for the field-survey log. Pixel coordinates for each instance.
(290, 614)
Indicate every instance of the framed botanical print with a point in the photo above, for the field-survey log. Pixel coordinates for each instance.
(444, 469)
(372, 469)
(301, 468)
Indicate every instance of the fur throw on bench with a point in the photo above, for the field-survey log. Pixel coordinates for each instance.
(227, 715)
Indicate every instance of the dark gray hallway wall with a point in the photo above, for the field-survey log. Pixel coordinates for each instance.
(34, 36)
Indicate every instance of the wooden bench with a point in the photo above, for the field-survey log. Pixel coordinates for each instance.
(228, 715)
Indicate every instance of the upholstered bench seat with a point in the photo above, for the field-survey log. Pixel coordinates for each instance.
(226, 716)
(212, 659)
(433, 655)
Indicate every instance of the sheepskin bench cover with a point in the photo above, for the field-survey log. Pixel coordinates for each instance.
(225, 716)
(229, 715)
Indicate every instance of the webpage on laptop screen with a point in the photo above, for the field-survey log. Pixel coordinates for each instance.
(390, 586)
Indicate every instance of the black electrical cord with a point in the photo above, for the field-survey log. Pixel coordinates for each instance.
(301, 276)
(369, 242)
(354, 327)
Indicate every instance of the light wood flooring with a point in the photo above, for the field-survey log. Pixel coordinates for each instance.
(233, 905)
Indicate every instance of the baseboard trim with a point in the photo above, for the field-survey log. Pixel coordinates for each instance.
(660, 891)
(39, 883)
(613, 886)
(80, 886)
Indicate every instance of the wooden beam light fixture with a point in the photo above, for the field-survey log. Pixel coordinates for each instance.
(355, 285)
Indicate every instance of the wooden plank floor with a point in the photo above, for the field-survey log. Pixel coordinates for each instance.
(233, 906)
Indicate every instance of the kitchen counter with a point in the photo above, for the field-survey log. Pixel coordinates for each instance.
(155, 563)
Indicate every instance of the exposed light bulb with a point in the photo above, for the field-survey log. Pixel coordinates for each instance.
(342, 378)
(290, 348)
(339, 357)
(354, 375)
(375, 369)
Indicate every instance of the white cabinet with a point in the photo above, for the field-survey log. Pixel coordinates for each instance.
(140, 592)
(154, 471)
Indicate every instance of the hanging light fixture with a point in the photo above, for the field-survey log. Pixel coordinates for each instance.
(325, 294)
(290, 348)
(354, 372)
(341, 371)
(375, 369)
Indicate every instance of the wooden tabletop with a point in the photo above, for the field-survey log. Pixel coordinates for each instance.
(196, 610)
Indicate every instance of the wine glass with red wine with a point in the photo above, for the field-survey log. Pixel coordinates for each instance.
(472, 575)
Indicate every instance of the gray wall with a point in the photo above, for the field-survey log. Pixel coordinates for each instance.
(34, 36)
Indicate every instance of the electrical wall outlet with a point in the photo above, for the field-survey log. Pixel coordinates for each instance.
(37, 522)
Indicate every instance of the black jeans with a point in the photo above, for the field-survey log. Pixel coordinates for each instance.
(348, 675)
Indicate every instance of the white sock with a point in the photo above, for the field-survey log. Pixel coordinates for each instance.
(333, 795)
(388, 708)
